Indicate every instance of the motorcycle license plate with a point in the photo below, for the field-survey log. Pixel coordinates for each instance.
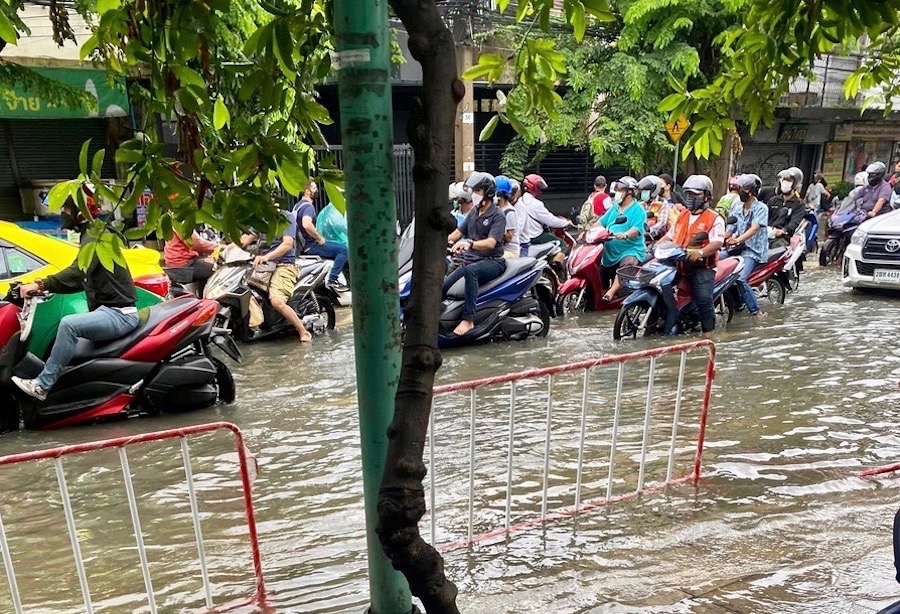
(891, 276)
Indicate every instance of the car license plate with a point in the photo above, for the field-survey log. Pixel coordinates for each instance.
(887, 275)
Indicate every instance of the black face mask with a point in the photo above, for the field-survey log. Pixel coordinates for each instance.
(874, 180)
(694, 203)
(744, 195)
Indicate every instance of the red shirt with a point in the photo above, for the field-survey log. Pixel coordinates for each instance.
(601, 203)
(179, 254)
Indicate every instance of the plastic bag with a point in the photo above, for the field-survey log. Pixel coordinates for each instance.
(332, 225)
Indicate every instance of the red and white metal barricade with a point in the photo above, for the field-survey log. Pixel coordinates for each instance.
(511, 386)
(56, 455)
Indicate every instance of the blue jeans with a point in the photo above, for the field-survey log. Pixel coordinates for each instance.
(702, 284)
(747, 292)
(332, 251)
(475, 273)
(102, 324)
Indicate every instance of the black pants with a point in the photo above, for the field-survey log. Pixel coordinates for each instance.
(702, 284)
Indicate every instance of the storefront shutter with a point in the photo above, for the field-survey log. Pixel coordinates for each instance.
(765, 160)
(48, 149)
(10, 205)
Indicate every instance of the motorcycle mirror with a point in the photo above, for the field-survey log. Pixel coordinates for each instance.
(621, 220)
(731, 220)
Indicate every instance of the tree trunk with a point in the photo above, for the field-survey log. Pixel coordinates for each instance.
(402, 497)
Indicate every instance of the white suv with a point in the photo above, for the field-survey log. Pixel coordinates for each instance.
(872, 260)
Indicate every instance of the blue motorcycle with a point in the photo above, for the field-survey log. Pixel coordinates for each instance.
(512, 307)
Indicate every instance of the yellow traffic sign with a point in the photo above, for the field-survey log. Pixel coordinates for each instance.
(677, 128)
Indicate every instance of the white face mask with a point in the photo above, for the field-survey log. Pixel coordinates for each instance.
(787, 187)
(476, 199)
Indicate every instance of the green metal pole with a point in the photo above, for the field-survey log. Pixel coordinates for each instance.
(364, 83)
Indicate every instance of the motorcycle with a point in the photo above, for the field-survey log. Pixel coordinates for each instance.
(841, 226)
(772, 279)
(644, 311)
(584, 290)
(165, 364)
(513, 306)
(242, 304)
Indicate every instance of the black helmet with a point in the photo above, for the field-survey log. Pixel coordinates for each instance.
(482, 181)
(748, 182)
(876, 172)
(652, 184)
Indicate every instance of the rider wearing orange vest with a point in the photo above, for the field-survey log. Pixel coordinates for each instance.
(703, 252)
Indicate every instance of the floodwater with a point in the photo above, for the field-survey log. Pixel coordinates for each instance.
(802, 401)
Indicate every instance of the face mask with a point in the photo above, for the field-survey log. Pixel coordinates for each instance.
(476, 199)
(619, 197)
(693, 203)
(645, 195)
(874, 180)
(787, 187)
(744, 195)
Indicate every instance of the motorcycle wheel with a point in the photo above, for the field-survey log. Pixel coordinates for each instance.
(628, 321)
(550, 280)
(326, 309)
(572, 303)
(775, 291)
(828, 254)
(224, 381)
(545, 319)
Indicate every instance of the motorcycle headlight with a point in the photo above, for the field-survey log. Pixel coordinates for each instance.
(858, 238)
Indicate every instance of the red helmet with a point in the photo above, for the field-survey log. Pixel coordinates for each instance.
(534, 184)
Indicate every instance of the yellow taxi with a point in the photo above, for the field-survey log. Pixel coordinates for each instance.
(26, 256)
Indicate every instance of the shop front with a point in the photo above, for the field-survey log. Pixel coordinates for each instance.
(858, 144)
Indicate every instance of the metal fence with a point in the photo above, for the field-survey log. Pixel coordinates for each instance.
(56, 455)
(650, 424)
(404, 191)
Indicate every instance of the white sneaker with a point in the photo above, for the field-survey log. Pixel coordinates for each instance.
(30, 387)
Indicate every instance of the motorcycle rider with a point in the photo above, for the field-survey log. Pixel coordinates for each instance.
(700, 268)
(659, 209)
(479, 239)
(281, 286)
(627, 247)
(748, 236)
(537, 216)
(877, 193)
(192, 257)
(111, 299)
(312, 242)
(786, 208)
(511, 237)
(463, 202)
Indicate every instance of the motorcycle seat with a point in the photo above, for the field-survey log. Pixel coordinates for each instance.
(725, 268)
(514, 267)
(148, 319)
(776, 253)
(542, 250)
(180, 275)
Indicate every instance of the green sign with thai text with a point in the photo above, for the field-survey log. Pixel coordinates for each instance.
(111, 101)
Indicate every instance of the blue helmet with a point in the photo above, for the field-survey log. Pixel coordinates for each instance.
(504, 186)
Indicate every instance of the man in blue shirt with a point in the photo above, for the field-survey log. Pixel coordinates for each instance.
(750, 231)
(480, 241)
(281, 287)
(313, 243)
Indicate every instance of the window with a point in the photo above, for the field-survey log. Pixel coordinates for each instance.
(16, 263)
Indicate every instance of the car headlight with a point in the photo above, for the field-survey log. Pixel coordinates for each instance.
(858, 238)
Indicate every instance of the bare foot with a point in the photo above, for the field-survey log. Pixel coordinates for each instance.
(305, 337)
(464, 327)
(759, 315)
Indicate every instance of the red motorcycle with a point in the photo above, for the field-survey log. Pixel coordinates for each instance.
(584, 289)
(772, 278)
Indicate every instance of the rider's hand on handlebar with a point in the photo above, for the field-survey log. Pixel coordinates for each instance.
(460, 246)
(29, 290)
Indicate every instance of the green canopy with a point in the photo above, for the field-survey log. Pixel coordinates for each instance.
(112, 101)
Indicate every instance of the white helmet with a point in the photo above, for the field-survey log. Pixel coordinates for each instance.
(861, 179)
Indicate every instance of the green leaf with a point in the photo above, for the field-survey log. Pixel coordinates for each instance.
(97, 164)
(335, 195)
(7, 30)
(128, 156)
(578, 20)
(292, 176)
(86, 255)
(221, 116)
(59, 194)
(88, 47)
(489, 128)
(104, 6)
(188, 76)
(670, 102)
(83, 157)
(105, 255)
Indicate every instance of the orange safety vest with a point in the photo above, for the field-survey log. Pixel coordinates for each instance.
(684, 230)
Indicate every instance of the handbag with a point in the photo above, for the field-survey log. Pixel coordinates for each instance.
(261, 277)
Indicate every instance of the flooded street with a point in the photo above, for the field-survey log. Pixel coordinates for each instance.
(802, 401)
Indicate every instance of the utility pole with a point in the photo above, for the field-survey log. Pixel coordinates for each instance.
(364, 85)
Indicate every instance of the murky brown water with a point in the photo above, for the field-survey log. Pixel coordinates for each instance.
(801, 401)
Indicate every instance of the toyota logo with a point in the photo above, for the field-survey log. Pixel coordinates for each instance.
(892, 246)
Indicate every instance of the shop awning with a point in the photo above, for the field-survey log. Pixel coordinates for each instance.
(112, 101)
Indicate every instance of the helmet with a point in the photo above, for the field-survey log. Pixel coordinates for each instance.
(504, 186)
(462, 194)
(748, 182)
(698, 183)
(481, 181)
(733, 183)
(876, 172)
(534, 184)
(515, 187)
(860, 179)
(453, 192)
(794, 175)
(651, 184)
(627, 183)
